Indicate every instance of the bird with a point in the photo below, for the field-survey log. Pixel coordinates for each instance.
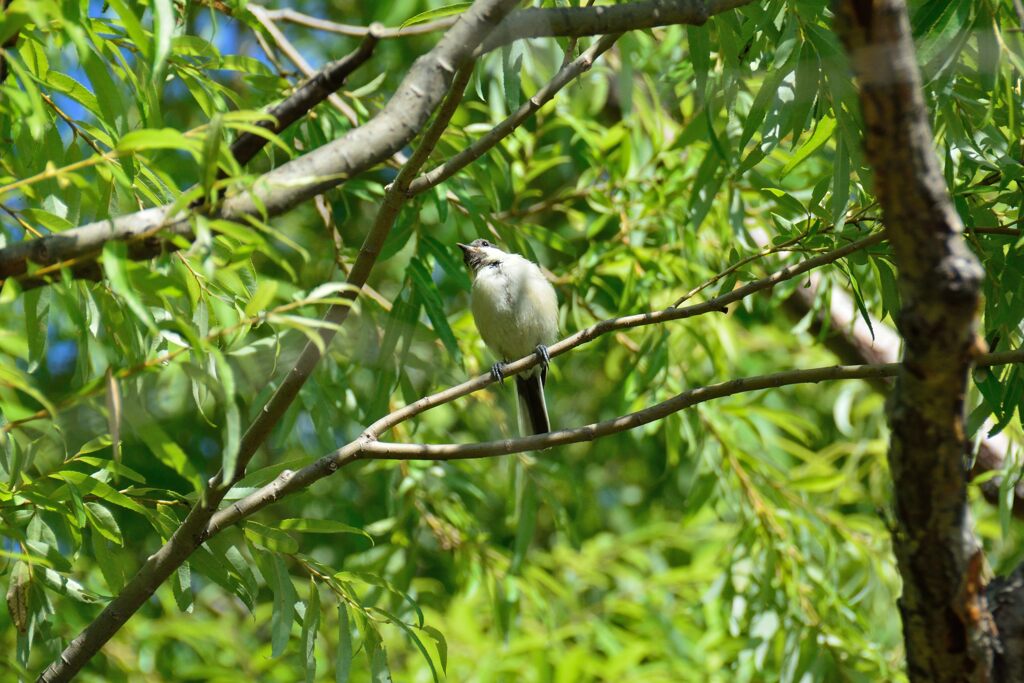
(516, 312)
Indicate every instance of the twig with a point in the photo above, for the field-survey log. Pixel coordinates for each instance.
(299, 61)
(308, 21)
(467, 156)
(305, 97)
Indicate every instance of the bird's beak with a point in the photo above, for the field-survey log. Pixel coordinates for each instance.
(470, 255)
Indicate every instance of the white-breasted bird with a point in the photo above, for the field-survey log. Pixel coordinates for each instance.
(516, 312)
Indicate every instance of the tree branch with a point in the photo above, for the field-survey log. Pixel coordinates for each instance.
(454, 49)
(367, 447)
(289, 482)
(319, 24)
(358, 150)
(306, 96)
(565, 75)
(948, 630)
(300, 62)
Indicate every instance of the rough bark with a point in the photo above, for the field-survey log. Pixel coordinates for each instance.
(948, 630)
(854, 342)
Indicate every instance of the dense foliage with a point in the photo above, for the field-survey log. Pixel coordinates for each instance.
(744, 539)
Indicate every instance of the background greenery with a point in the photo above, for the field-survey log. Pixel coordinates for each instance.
(743, 540)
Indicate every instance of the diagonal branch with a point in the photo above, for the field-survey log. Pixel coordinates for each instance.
(361, 148)
(454, 49)
(300, 62)
(467, 156)
(379, 450)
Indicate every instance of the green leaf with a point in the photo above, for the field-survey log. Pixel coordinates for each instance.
(163, 138)
(211, 156)
(103, 521)
(378, 656)
(343, 654)
(242, 567)
(284, 606)
(115, 266)
(163, 30)
(310, 624)
(181, 586)
(821, 135)
(65, 585)
(321, 526)
(431, 298)
(439, 13)
(526, 514)
(442, 645)
(164, 447)
(270, 538)
(88, 485)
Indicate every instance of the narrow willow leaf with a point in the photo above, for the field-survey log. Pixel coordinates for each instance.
(821, 135)
(103, 521)
(428, 294)
(163, 31)
(181, 586)
(284, 606)
(321, 526)
(526, 511)
(310, 624)
(343, 655)
(439, 13)
(270, 538)
(115, 267)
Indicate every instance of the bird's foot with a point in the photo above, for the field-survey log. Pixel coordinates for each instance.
(498, 372)
(542, 353)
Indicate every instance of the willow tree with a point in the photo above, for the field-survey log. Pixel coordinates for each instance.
(247, 424)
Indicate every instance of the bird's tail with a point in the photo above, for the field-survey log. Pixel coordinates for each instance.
(533, 411)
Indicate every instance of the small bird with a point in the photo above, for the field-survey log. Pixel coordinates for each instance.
(516, 312)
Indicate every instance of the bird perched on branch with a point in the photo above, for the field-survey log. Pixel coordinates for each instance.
(516, 312)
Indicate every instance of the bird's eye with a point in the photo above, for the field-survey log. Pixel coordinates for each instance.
(486, 243)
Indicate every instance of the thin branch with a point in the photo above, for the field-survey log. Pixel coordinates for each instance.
(437, 68)
(358, 150)
(289, 482)
(308, 21)
(300, 62)
(367, 447)
(305, 97)
(467, 156)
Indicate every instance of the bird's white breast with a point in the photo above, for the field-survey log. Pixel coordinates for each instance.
(515, 307)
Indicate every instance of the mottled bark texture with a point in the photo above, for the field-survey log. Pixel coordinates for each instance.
(947, 627)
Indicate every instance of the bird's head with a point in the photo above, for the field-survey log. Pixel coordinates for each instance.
(480, 254)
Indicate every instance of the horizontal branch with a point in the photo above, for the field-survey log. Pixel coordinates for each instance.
(367, 447)
(360, 148)
(380, 450)
(319, 24)
(544, 22)
(290, 482)
(592, 21)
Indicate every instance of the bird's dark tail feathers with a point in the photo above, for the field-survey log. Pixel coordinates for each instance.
(533, 411)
